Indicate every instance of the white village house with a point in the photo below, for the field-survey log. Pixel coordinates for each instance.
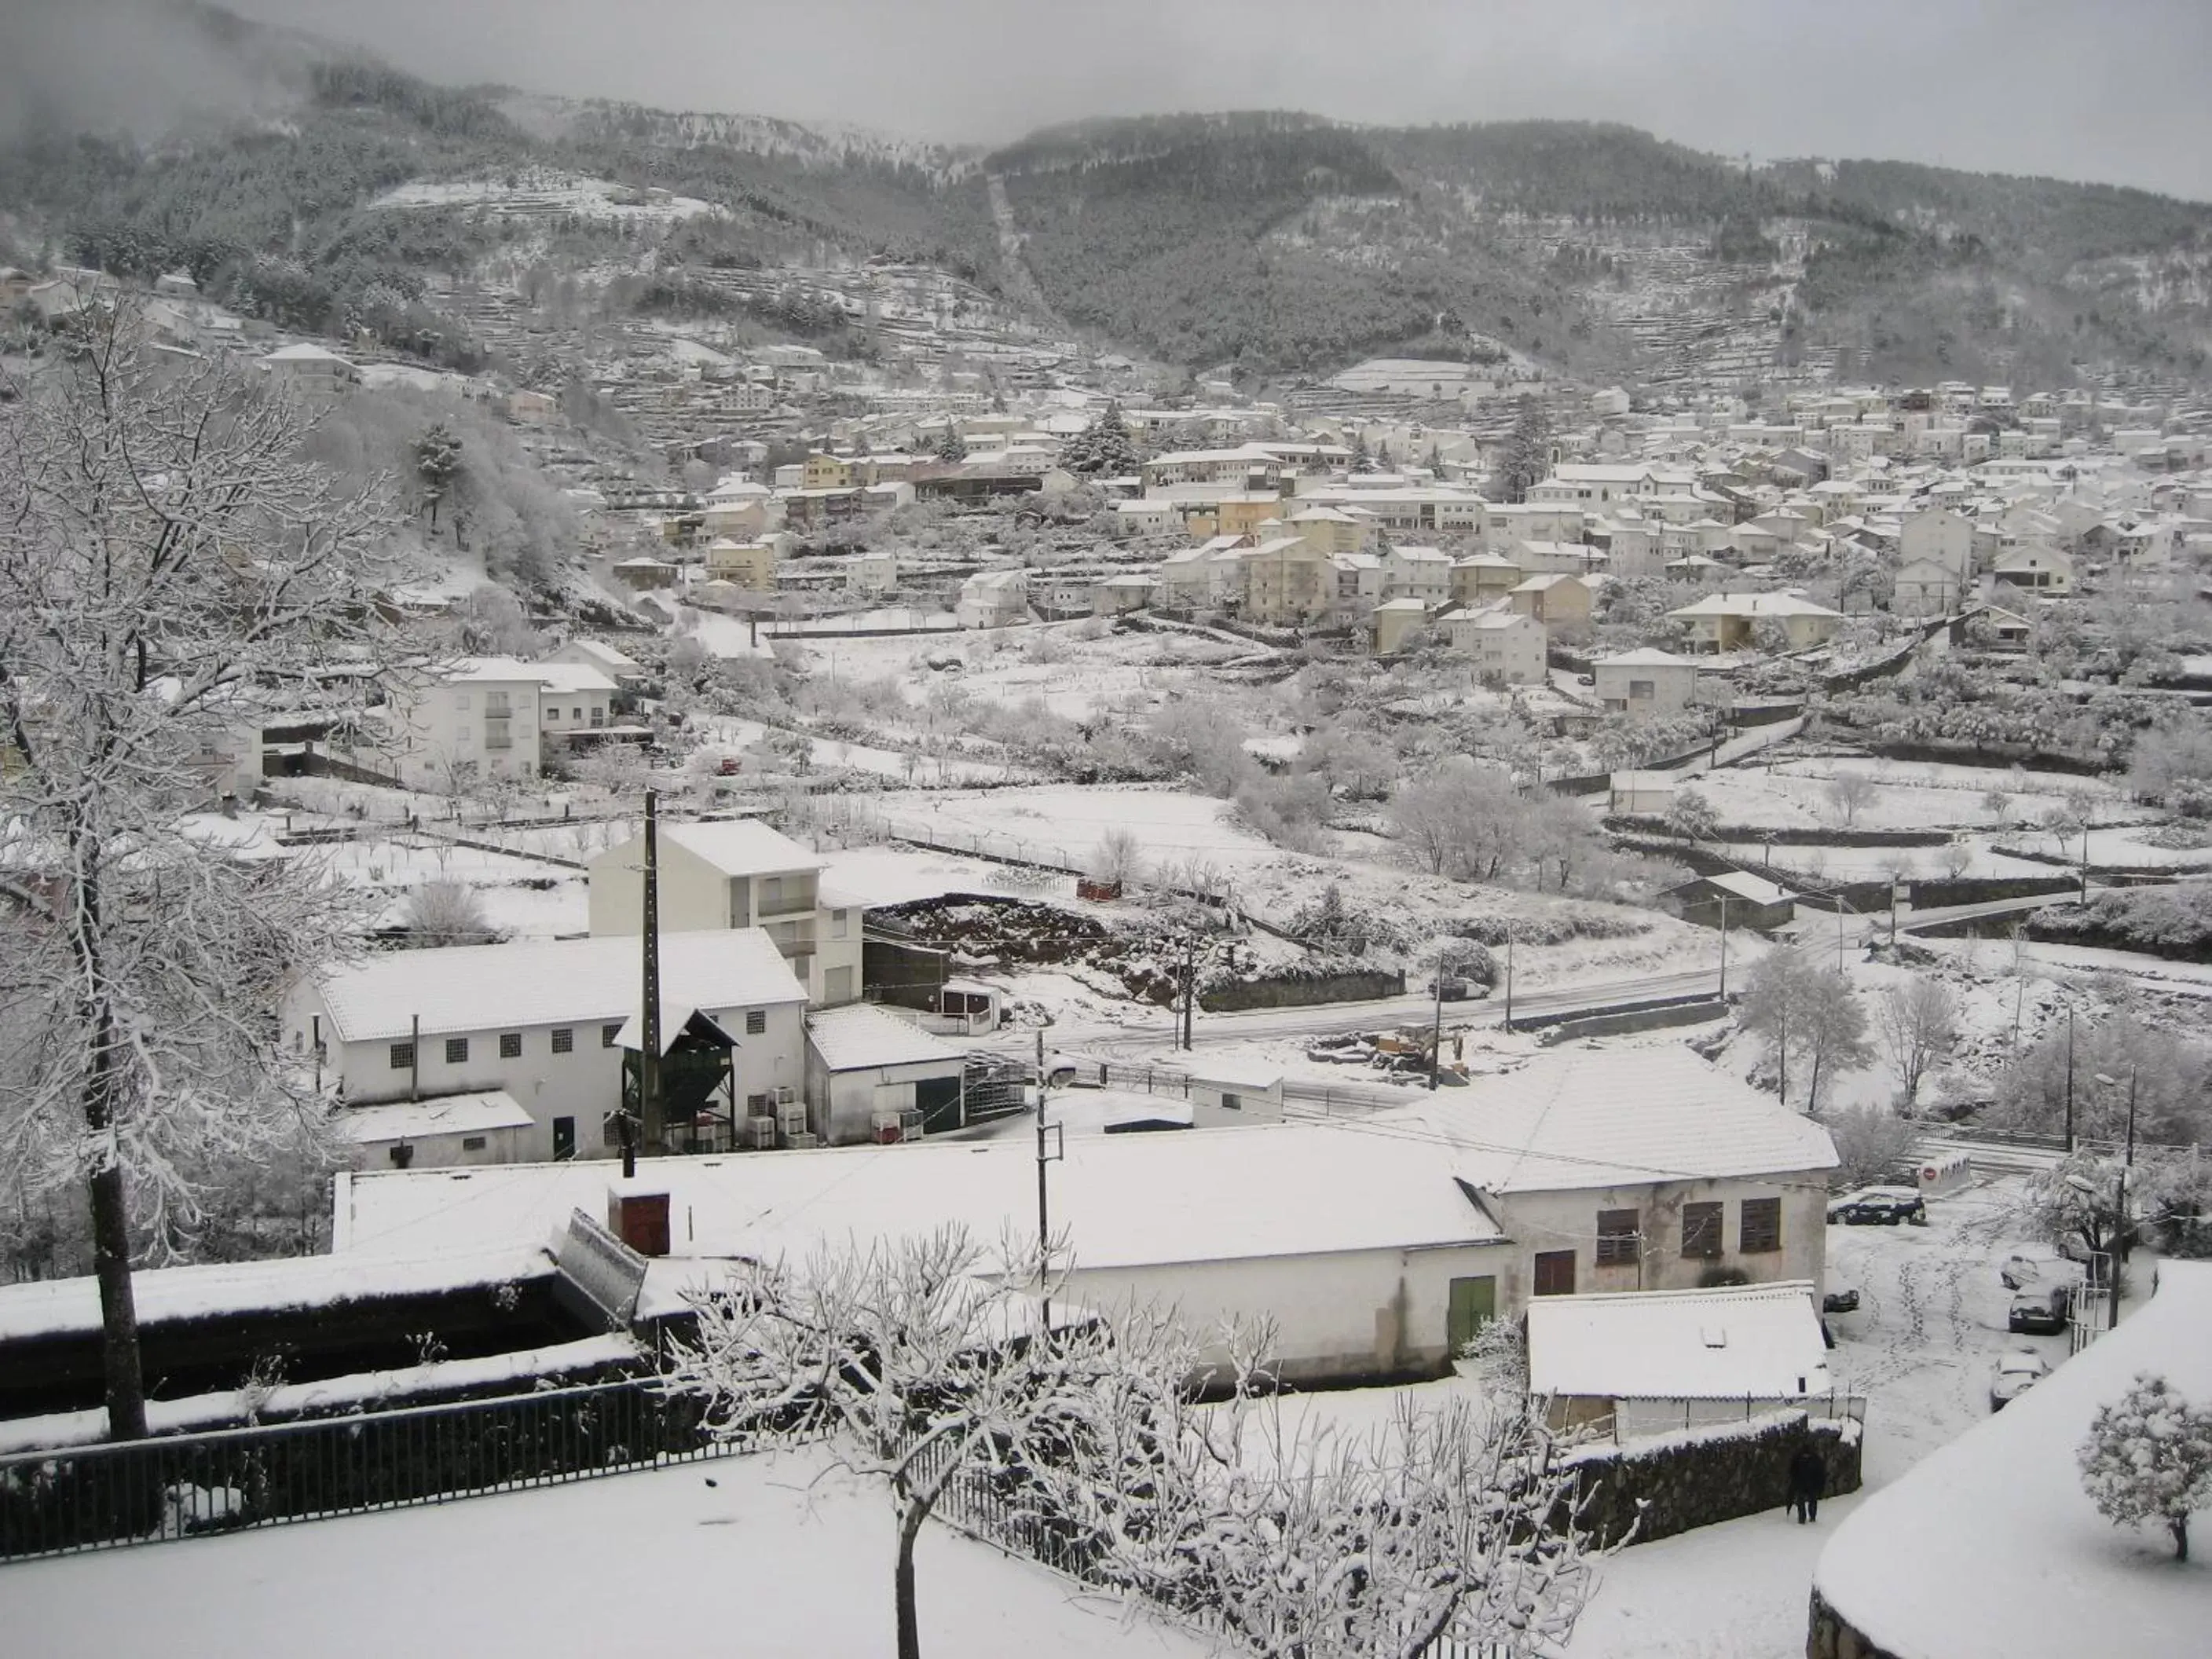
(545, 1023)
(1378, 1248)
(1648, 683)
(736, 874)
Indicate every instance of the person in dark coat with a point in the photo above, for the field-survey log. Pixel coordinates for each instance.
(1809, 1478)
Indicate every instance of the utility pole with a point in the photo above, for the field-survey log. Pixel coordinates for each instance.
(1724, 897)
(2085, 858)
(648, 1059)
(1437, 1032)
(1044, 1209)
(1509, 976)
(2127, 1167)
(2069, 1083)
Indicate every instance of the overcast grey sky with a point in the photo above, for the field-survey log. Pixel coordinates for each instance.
(2106, 89)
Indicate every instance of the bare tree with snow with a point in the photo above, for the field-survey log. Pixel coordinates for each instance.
(2147, 1460)
(1919, 1026)
(918, 1361)
(447, 913)
(170, 571)
(1851, 793)
(1454, 1524)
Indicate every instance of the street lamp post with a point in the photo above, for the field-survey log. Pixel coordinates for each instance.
(2124, 1233)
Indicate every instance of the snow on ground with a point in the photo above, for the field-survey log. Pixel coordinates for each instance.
(1176, 829)
(887, 618)
(523, 896)
(1738, 1590)
(539, 192)
(729, 638)
(1910, 794)
(775, 1557)
(2189, 978)
(835, 754)
(1076, 672)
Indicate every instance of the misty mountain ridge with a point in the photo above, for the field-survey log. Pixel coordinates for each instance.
(1275, 243)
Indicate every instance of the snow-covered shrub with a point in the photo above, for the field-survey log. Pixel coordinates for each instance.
(2148, 1460)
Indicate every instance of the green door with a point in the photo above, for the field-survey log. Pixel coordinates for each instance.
(1473, 1304)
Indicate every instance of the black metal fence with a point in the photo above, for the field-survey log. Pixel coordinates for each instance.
(97, 1497)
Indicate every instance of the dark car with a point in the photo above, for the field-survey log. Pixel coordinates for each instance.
(1843, 1298)
(1878, 1207)
(2040, 1309)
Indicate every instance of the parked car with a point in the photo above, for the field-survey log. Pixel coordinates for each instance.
(2022, 1270)
(2041, 1309)
(1456, 988)
(2016, 1373)
(1840, 1298)
(1878, 1207)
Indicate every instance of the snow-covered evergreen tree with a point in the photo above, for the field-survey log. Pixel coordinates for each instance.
(1103, 449)
(2148, 1460)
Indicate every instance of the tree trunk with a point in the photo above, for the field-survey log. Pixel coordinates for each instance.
(118, 1306)
(111, 1210)
(909, 1627)
(2180, 1525)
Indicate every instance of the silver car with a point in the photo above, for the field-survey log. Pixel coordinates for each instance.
(2016, 1372)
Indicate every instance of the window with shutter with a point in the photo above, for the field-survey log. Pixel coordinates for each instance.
(1620, 1234)
(1701, 1230)
(1555, 1272)
(1759, 1229)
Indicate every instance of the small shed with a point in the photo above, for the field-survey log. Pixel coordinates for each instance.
(1648, 1362)
(490, 1127)
(872, 1076)
(1734, 898)
(1641, 794)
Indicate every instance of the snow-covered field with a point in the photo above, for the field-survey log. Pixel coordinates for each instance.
(540, 193)
(1908, 794)
(1075, 675)
(773, 1557)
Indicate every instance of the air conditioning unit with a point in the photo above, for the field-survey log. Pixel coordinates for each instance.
(802, 1141)
(785, 1094)
(910, 1123)
(889, 1128)
(791, 1115)
(760, 1134)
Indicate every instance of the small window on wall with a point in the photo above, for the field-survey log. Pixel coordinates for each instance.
(755, 1022)
(403, 1056)
(472, 1143)
(564, 1039)
(510, 1045)
(1619, 1236)
(1701, 1231)
(457, 1051)
(607, 1035)
(1555, 1272)
(1760, 1228)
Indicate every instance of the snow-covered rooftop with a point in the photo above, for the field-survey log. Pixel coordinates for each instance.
(741, 847)
(61, 1307)
(1619, 1116)
(1758, 1340)
(488, 988)
(861, 1037)
(446, 1115)
(1991, 1548)
(1204, 1195)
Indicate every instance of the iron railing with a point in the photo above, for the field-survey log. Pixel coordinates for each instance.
(106, 1495)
